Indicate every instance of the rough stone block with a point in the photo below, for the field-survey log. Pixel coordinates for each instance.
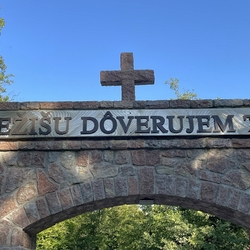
(53, 203)
(133, 185)
(146, 180)
(121, 187)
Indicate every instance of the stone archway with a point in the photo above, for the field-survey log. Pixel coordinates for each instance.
(46, 181)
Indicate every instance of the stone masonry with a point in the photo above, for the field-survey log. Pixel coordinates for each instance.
(43, 182)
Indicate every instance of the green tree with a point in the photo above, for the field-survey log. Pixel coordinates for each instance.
(5, 79)
(186, 95)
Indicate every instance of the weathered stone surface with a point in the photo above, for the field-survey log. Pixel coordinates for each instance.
(146, 180)
(210, 176)
(87, 192)
(17, 176)
(181, 187)
(5, 232)
(7, 205)
(26, 192)
(65, 198)
(56, 173)
(76, 195)
(42, 208)
(127, 170)
(32, 212)
(193, 190)
(237, 179)
(133, 188)
(138, 157)
(122, 157)
(104, 170)
(208, 192)
(68, 159)
(53, 203)
(20, 238)
(19, 218)
(98, 189)
(121, 187)
(44, 185)
(109, 187)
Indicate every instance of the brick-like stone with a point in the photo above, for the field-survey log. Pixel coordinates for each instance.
(179, 103)
(228, 103)
(133, 185)
(48, 145)
(244, 205)
(86, 105)
(170, 185)
(32, 212)
(104, 170)
(98, 189)
(206, 103)
(208, 192)
(121, 187)
(152, 157)
(127, 170)
(222, 196)
(76, 195)
(12, 145)
(53, 203)
(233, 199)
(87, 192)
(71, 145)
(138, 157)
(193, 190)
(181, 187)
(120, 144)
(109, 187)
(122, 157)
(241, 142)
(56, 105)
(65, 198)
(42, 207)
(160, 184)
(146, 180)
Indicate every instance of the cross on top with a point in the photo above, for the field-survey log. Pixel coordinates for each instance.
(127, 77)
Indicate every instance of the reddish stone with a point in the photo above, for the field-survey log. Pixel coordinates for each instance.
(19, 218)
(95, 156)
(65, 198)
(38, 159)
(7, 205)
(138, 157)
(132, 185)
(120, 144)
(44, 185)
(56, 105)
(175, 153)
(86, 105)
(233, 199)
(237, 179)
(146, 180)
(20, 239)
(94, 144)
(24, 159)
(5, 145)
(152, 157)
(83, 158)
(26, 192)
(16, 176)
(136, 144)
(5, 232)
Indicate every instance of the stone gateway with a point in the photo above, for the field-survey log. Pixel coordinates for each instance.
(47, 176)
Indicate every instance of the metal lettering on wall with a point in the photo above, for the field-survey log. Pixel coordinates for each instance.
(97, 123)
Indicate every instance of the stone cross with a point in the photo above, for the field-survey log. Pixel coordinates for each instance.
(127, 77)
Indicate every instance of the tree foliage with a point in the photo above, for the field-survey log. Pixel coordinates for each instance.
(144, 228)
(186, 95)
(5, 79)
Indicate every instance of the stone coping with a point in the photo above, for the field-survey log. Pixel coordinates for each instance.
(149, 104)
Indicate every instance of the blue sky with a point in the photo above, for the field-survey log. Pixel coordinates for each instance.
(56, 49)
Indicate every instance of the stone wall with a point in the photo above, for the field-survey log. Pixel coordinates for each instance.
(46, 181)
